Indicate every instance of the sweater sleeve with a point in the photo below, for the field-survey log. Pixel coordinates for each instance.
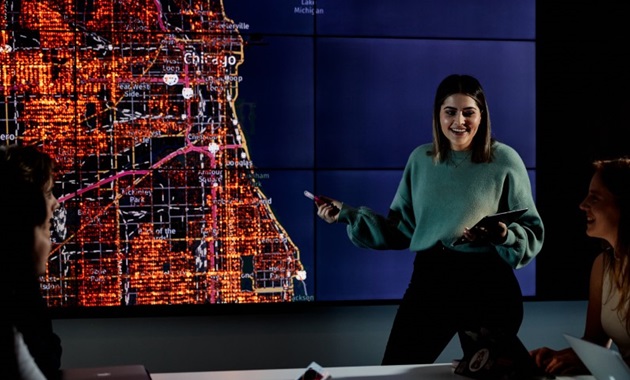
(523, 242)
(368, 229)
(525, 236)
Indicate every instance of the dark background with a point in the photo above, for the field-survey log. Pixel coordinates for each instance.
(583, 105)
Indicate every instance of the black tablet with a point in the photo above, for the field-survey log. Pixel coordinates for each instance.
(506, 217)
(496, 355)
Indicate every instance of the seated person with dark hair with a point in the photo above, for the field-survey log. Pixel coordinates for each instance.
(27, 334)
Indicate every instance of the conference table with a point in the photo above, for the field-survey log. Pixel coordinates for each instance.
(396, 372)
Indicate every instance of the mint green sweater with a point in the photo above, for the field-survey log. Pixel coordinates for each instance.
(434, 202)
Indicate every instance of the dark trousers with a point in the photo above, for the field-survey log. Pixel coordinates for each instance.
(449, 292)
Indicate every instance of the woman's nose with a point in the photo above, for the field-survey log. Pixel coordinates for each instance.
(459, 118)
(583, 205)
(56, 203)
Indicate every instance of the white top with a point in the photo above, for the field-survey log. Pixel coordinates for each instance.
(27, 367)
(613, 325)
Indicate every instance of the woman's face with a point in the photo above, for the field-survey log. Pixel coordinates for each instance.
(602, 213)
(42, 247)
(459, 119)
(51, 201)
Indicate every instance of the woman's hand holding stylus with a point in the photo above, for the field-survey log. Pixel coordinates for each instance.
(328, 209)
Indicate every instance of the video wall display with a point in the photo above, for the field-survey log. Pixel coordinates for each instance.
(185, 134)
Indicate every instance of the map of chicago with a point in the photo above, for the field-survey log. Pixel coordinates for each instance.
(135, 100)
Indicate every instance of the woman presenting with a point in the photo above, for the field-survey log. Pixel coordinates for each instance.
(447, 186)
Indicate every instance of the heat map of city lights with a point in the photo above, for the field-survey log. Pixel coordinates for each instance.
(160, 199)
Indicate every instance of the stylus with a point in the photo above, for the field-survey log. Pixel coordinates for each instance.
(317, 199)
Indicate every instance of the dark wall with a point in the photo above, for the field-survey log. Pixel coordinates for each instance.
(583, 105)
